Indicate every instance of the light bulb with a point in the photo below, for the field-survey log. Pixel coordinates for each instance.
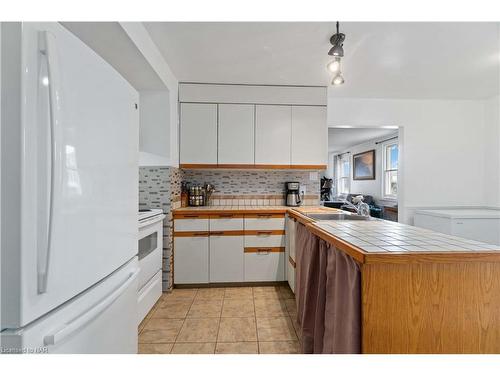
(338, 79)
(334, 65)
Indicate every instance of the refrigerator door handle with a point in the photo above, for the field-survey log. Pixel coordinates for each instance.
(46, 45)
(72, 326)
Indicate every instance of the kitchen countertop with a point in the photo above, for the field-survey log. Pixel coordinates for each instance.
(374, 241)
(379, 241)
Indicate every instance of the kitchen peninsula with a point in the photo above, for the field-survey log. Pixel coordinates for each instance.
(421, 291)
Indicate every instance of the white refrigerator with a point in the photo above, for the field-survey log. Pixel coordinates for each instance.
(69, 196)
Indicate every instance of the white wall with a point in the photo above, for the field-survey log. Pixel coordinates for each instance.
(141, 38)
(492, 150)
(369, 187)
(154, 140)
(442, 149)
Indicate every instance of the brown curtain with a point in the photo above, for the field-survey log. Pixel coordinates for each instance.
(328, 293)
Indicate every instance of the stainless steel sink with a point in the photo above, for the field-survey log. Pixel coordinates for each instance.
(339, 216)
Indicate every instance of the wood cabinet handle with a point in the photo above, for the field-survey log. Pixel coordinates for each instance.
(200, 234)
(263, 251)
(264, 215)
(264, 232)
(216, 233)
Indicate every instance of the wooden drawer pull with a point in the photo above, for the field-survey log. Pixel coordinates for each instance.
(192, 216)
(264, 232)
(264, 215)
(263, 251)
(200, 234)
(216, 233)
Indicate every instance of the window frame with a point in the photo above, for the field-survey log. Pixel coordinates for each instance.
(385, 171)
(340, 176)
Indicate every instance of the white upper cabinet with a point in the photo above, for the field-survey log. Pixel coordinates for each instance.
(309, 135)
(273, 130)
(236, 134)
(198, 138)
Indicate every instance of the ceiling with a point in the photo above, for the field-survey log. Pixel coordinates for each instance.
(340, 139)
(396, 60)
(111, 42)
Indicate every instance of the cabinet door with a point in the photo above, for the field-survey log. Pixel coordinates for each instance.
(198, 138)
(264, 265)
(273, 127)
(226, 259)
(309, 136)
(236, 134)
(191, 260)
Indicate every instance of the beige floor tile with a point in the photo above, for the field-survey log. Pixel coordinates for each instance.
(291, 307)
(234, 308)
(205, 309)
(194, 348)
(278, 347)
(199, 330)
(172, 309)
(270, 308)
(160, 330)
(155, 348)
(237, 348)
(286, 292)
(237, 329)
(266, 292)
(181, 294)
(210, 293)
(239, 293)
(275, 329)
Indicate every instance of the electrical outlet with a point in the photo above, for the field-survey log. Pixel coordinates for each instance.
(313, 176)
(303, 189)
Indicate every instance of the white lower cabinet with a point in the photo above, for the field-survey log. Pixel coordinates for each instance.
(191, 260)
(226, 259)
(264, 265)
(291, 275)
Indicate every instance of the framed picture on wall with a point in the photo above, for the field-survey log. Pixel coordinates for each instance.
(363, 166)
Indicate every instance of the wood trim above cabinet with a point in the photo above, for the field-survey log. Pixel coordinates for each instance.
(187, 215)
(191, 234)
(263, 232)
(227, 233)
(264, 249)
(264, 216)
(253, 166)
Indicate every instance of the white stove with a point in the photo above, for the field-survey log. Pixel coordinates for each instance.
(149, 216)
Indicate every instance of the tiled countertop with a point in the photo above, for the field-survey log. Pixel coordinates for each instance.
(381, 236)
(252, 209)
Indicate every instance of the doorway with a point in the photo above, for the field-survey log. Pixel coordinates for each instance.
(364, 161)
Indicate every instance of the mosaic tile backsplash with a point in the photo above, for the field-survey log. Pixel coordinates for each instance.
(256, 187)
(160, 187)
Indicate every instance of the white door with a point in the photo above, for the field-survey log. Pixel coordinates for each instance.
(309, 135)
(236, 134)
(191, 260)
(79, 171)
(272, 134)
(226, 259)
(198, 138)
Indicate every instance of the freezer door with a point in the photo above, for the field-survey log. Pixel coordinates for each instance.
(101, 320)
(79, 174)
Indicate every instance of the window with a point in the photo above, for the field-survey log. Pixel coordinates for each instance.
(390, 164)
(343, 174)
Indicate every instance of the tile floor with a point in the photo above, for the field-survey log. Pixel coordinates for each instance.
(239, 320)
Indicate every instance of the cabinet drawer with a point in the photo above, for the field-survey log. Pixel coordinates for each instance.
(264, 266)
(264, 240)
(190, 225)
(221, 223)
(191, 260)
(265, 222)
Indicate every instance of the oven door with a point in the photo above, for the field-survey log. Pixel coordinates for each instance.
(150, 251)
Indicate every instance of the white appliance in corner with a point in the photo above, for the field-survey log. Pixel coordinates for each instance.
(69, 196)
(150, 260)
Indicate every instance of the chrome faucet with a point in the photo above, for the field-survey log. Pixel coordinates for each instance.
(361, 207)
